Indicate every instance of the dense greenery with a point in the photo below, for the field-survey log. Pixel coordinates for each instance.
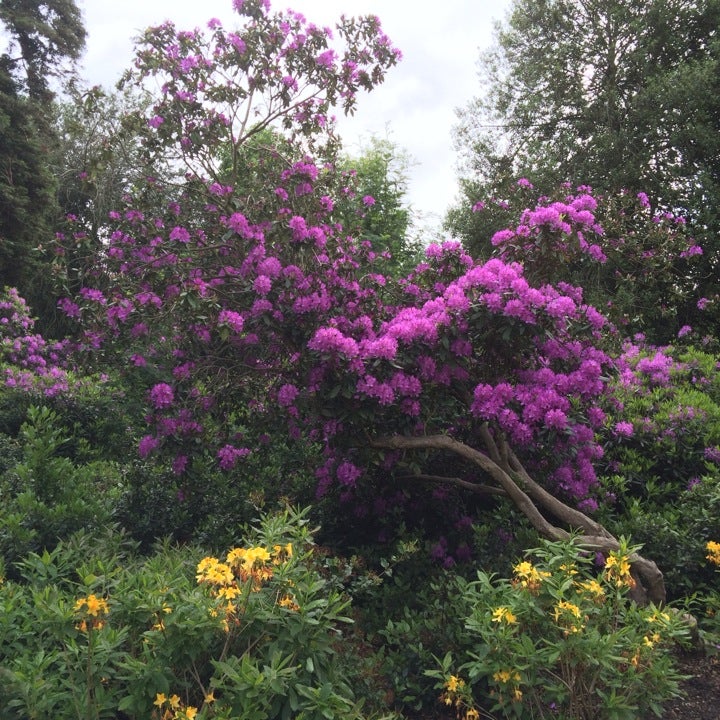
(44, 40)
(250, 327)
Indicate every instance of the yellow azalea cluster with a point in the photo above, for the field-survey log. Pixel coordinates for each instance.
(456, 693)
(592, 588)
(617, 570)
(91, 610)
(713, 552)
(568, 616)
(512, 678)
(244, 569)
(454, 687)
(172, 708)
(528, 576)
(504, 615)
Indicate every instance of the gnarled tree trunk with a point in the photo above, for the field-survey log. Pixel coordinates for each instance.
(502, 466)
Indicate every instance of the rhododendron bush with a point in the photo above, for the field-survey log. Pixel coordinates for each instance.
(222, 300)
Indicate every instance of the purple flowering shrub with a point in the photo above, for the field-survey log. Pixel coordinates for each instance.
(636, 264)
(465, 374)
(658, 479)
(29, 362)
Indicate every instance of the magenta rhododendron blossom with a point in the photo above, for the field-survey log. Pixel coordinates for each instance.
(179, 464)
(228, 456)
(347, 474)
(162, 396)
(287, 394)
(624, 428)
(231, 319)
(147, 445)
(331, 340)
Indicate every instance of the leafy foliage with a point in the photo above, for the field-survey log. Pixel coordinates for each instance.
(255, 636)
(562, 638)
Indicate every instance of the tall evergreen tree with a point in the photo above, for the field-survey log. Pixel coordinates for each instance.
(44, 41)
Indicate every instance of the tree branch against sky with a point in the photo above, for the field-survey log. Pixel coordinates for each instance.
(415, 108)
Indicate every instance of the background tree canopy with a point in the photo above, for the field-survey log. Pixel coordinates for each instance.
(616, 94)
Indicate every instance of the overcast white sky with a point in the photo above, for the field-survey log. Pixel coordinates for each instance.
(415, 107)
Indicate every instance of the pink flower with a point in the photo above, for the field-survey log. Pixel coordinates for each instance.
(287, 394)
(228, 455)
(347, 474)
(147, 445)
(326, 59)
(332, 340)
(624, 429)
(180, 234)
(299, 228)
(179, 464)
(262, 285)
(231, 319)
(556, 419)
(162, 396)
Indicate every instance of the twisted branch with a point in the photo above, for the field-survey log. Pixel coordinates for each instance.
(503, 466)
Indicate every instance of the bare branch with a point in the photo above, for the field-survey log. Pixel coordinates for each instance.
(478, 488)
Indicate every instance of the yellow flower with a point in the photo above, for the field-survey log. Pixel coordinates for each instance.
(472, 714)
(174, 702)
(94, 606)
(282, 552)
(528, 576)
(211, 570)
(505, 676)
(713, 549)
(160, 699)
(230, 592)
(454, 683)
(190, 712)
(592, 588)
(288, 602)
(523, 569)
(617, 570)
(255, 555)
(210, 698)
(503, 614)
(569, 616)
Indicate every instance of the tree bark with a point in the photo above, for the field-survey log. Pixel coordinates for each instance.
(502, 465)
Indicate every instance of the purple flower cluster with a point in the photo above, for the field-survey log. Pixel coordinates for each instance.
(162, 396)
(228, 456)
